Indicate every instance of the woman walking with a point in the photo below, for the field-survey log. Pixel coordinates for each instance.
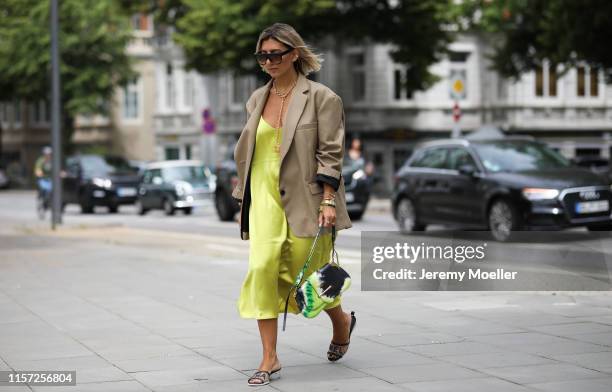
(289, 163)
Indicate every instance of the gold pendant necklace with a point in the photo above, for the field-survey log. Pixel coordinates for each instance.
(282, 96)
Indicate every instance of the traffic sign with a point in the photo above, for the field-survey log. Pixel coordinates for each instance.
(458, 88)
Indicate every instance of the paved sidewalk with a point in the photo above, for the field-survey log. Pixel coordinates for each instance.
(137, 310)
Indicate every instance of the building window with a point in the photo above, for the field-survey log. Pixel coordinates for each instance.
(130, 100)
(588, 152)
(47, 106)
(140, 22)
(587, 78)
(188, 91)
(242, 87)
(358, 76)
(458, 57)
(594, 82)
(580, 86)
(188, 151)
(397, 84)
(399, 88)
(552, 81)
(39, 112)
(170, 90)
(502, 88)
(546, 80)
(171, 153)
(539, 82)
(17, 111)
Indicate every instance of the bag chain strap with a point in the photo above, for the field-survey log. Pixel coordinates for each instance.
(300, 277)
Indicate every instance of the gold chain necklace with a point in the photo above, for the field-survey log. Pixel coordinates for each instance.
(282, 96)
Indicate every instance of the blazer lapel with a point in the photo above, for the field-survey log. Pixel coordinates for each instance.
(294, 112)
(253, 121)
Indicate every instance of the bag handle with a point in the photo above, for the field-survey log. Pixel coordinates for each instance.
(300, 277)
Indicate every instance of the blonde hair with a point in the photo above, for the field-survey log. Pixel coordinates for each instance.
(307, 61)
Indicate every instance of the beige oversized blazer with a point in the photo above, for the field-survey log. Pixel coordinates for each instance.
(312, 149)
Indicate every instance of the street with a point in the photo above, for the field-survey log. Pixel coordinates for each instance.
(147, 303)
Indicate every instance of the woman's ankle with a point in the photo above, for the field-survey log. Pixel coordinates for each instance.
(270, 355)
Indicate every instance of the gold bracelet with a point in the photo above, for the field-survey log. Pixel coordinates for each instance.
(329, 203)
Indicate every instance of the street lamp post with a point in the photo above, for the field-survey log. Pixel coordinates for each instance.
(56, 140)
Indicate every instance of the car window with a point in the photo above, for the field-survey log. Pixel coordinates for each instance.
(518, 155)
(147, 177)
(186, 173)
(433, 158)
(101, 166)
(155, 173)
(458, 157)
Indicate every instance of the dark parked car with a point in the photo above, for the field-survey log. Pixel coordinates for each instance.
(356, 183)
(4, 181)
(96, 180)
(356, 187)
(175, 185)
(503, 184)
(227, 179)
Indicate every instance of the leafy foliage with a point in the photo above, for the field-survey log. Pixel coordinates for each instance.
(526, 32)
(93, 39)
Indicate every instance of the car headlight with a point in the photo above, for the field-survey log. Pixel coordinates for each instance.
(540, 193)
(183, 188)
(102, 182)
(359, 174)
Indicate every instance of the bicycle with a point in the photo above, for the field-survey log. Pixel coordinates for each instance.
(43, 199)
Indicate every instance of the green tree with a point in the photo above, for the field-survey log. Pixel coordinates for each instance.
(525, 32)
(220, 35)
(93, 39)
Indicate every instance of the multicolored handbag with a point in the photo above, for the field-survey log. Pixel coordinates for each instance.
(322, 286)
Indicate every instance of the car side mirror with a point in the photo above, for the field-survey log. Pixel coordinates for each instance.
(157, 181)
(467, 170)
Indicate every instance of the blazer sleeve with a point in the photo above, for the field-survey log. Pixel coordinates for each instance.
(330, 149)
(237, 192)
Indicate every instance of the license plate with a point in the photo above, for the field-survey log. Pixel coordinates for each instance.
(126, 192)
(588, 207)
(350, 197)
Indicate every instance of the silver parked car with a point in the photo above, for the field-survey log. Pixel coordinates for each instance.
(175, 185)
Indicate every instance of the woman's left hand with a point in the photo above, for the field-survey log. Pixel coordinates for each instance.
(327, 217)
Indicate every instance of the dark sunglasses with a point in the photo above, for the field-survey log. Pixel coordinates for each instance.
(275, 58)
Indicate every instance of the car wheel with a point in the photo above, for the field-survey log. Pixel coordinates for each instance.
(86, 206)
(188, 210)
(40, 207)
(168, 207)
(224, 207)
(356, 215)
(407, 217)
(139, 208)
(503, 220)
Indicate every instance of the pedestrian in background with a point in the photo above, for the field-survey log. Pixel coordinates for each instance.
(289, 162)
(42, 172)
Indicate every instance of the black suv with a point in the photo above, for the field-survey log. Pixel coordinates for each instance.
(503, 184)
(96, 180)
